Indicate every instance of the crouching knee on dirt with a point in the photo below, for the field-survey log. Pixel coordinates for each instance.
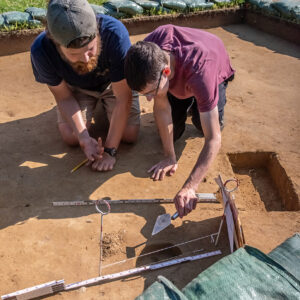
(74, 57)
(185, 70)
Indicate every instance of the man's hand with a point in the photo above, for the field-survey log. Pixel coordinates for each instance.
(167, 166)
(91, 148)
(185, 201)
(106, 163)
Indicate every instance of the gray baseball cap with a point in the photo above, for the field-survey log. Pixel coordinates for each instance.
(70, 19)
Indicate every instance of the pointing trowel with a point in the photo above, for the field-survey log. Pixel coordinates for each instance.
(162, 222)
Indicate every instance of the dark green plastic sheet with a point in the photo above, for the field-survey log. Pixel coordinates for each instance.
(147, 4)
(222, 1)
(98, 9)
(127, 7)
(260, 3)
(14, 17)
(288, 255)
(296, 13)
(174, 4)
(289, 9)
(197, 4)
(286, 8)
(1, 21)
(112, 11)
(37, 13)
(246, 274)
(162, 289)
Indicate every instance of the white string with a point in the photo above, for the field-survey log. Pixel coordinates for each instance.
(171, 258)
(125, 260)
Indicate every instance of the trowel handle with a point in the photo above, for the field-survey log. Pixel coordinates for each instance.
(175, 216)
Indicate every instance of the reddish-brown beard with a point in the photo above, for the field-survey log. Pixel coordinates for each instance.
(82, 68)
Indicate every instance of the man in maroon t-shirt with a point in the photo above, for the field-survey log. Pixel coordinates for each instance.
(183, 69)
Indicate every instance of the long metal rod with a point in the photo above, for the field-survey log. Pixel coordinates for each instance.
(101, 246)
(139, 270)
(102, 213)
(202, 198)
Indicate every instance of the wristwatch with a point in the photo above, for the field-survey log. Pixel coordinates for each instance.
(111, 151)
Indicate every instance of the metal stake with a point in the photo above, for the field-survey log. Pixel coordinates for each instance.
(103, 213)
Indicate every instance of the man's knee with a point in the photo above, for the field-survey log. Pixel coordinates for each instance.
(131, 134)
(67, 133)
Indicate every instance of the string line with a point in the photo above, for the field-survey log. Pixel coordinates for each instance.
(180, 244)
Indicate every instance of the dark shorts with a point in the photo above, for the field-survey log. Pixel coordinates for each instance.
(181, 108)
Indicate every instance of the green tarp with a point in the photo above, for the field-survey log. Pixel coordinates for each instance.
(18, 17)
(37, 13)
(288, 255)
(1, 21)
(174, 4)
(196, 4)
(147, 4)
(99, 9)
(126, 7)
(246, 274)
(289, 9)
(286, 8)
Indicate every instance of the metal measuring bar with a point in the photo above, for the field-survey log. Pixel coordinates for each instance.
(36, 291)
(202, 198)
(103, 213)
(140, 269)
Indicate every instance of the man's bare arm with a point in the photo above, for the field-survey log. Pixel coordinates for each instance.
(212, 144)
(68, 107)
(163, 119)
(186, 200)
(70, 111)
(120, 113)
(118, 123)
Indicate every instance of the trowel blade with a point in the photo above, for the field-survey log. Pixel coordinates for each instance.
(161, 223)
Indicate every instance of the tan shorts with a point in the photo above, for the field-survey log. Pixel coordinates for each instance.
(88, 100)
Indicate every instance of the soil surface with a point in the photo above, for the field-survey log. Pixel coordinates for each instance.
(41, 243)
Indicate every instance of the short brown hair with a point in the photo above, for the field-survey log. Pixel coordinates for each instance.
(143, 64)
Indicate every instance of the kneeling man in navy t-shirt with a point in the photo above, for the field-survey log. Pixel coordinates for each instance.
(81, 59)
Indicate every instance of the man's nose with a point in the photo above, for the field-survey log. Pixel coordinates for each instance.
(149, 97)
(85, 57)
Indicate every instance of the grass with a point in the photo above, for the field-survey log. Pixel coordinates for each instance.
(17, 5)
(21, 5)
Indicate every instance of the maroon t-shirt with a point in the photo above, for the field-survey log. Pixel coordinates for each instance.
(201, 63)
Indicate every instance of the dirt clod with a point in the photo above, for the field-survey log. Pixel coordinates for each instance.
(113, 243)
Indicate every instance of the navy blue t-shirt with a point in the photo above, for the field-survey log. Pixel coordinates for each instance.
(48, 67)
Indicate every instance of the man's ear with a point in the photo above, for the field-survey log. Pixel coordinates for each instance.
(167, 71)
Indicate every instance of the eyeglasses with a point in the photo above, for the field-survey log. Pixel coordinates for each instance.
(150, 93)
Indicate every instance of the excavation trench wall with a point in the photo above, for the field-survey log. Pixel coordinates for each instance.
(20, 41)
(271, 162)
